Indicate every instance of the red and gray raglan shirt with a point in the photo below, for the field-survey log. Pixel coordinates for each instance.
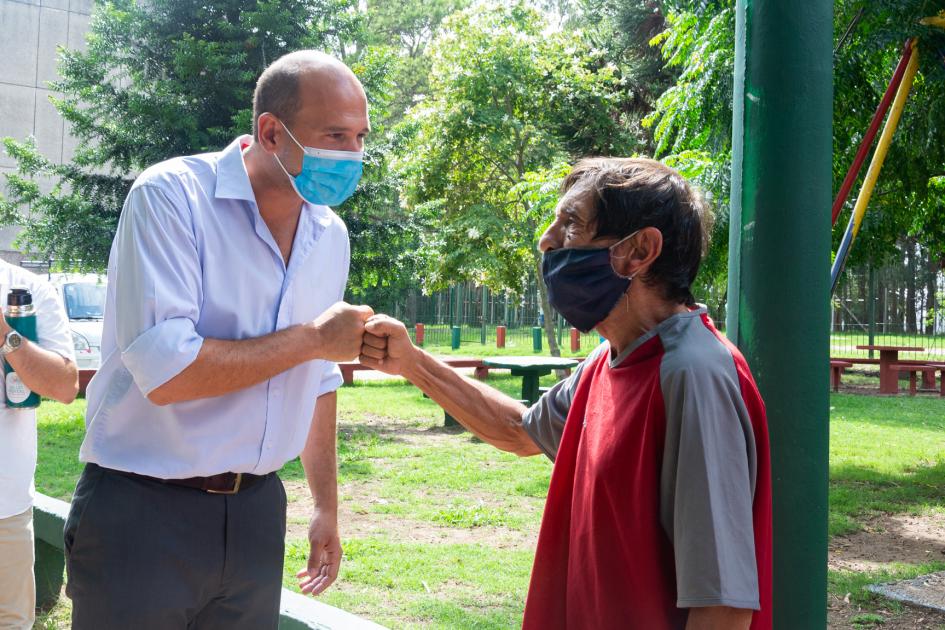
(660, 498)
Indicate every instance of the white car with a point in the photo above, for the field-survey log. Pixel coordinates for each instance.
(83, 296)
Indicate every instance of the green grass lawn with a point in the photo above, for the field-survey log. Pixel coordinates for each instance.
(439, 528)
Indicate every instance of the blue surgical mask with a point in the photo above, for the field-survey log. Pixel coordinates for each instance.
(582, 284)
(328, 177)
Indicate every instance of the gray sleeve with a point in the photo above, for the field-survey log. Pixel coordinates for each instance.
(544, 421)
(707, 486)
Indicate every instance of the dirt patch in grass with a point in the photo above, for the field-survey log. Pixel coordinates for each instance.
(890, 538)
(355, 520)
(358, 516)
(362, 500)
(417, 432)
(884, 540)
(843, 615)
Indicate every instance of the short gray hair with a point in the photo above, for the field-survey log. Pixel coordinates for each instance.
(277, 90)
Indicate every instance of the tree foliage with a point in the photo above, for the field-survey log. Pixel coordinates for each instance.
(158, 79)
(511, 102)
(507, 100)
(692, 119)
(478, 108)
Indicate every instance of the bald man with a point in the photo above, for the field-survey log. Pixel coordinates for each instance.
(222, 325)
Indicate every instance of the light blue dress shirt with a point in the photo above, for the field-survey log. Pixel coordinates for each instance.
(193, 258)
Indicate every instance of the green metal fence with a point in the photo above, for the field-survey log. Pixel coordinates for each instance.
(898, 305)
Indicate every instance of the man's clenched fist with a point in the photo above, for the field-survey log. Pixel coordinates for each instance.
(387, 345)
(340, 331)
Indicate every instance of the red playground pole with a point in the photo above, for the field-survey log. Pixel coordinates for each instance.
(867, 141)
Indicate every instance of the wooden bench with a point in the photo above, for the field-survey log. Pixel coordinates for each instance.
(941, 381)
(836, 372)
(914, 369)
(928, 378)
(481, 371)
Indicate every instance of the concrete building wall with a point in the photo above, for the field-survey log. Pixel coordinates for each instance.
(30, 33)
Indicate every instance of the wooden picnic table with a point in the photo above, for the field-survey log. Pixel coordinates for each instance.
(530, 369)
(889, 355)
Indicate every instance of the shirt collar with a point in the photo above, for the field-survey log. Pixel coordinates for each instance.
(232, 179)
(664, 325)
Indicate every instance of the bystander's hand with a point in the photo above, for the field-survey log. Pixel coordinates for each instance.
(340, 331)
(387, 346)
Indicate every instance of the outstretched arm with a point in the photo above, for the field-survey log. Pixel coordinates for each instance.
(487, 413)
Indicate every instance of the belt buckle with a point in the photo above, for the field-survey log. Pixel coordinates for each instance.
(236, 486)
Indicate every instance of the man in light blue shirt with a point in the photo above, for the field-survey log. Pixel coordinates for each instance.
(222, 323)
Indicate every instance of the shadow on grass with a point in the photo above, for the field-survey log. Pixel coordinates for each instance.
(857, 491)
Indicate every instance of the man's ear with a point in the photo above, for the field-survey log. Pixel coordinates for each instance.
(635, 255)
(268, 131)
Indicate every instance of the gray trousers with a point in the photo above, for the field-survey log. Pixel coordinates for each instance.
(141, 554)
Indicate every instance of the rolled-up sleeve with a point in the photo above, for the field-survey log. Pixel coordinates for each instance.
(52, 325)
(158, 286)
(331, 379)
(331, 376)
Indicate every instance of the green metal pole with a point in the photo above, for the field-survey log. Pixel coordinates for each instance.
(779, 260)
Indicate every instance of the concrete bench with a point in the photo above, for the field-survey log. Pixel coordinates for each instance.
(836, 372)
(296, 612)
(913, 369)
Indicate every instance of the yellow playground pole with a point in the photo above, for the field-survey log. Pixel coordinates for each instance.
(935, 20)
(876, 165)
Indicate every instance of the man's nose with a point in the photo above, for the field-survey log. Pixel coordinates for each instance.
(549, 240)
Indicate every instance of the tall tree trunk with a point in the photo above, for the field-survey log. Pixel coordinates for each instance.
(547, 312)
(411, 306)
(931, 300)
(911, 293)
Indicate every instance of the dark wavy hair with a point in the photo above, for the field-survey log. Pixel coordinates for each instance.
(634, 193)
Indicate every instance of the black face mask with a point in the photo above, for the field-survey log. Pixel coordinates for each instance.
(582, 284)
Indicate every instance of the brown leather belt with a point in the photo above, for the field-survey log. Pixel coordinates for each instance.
(224, 483)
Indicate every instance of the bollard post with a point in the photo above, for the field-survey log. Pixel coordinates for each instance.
(575, 340)
(419, 334)
(500, 336)
(536, 338)
(455, 337)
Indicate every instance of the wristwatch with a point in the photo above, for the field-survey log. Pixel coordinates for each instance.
(11, 342)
